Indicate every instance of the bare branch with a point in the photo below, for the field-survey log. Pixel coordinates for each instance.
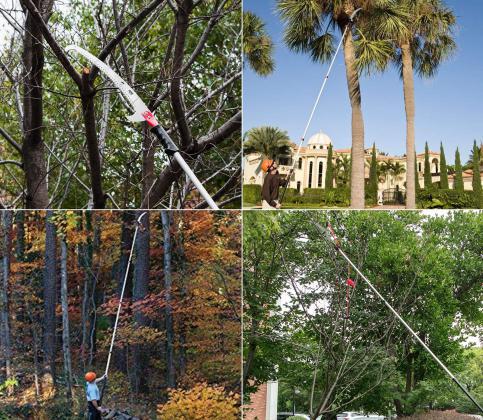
(9, 138)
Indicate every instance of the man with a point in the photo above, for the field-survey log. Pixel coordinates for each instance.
(271, 185)
(93, 395)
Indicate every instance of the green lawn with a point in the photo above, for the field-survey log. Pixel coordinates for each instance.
(296, 206)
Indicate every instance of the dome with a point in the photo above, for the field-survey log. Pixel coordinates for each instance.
(320, 139)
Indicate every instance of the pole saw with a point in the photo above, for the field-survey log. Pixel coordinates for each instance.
(329, 234)
(119, 307)
(351, 19)
(142, 113)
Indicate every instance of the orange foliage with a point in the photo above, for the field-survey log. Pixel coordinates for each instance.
(200, 403)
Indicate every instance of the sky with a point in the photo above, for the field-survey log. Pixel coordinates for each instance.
(449, 107)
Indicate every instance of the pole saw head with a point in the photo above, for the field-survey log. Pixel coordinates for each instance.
(131, 98)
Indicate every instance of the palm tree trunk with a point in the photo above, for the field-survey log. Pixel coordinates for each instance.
(408, 87)
(357, 156)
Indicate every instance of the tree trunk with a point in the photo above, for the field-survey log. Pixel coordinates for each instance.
(65, 318)
(140, 290)
(33, 145)
(95, 296)
(85, 256)
(50, 300)
(409, 103)
(148, 165)
(357, 151)
(87, 97)
(170, 363)
(181, 257)
(5, 338)
(20, 242)
(119, 354)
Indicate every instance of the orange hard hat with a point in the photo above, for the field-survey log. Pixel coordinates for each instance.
(266, 164)
(90, 376)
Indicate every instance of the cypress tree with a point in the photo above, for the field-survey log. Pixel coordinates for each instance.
(476, 184)
(428, 181)
(372, 187)
(458, 174)
(416, 174)
(329, 173)
(443, 179)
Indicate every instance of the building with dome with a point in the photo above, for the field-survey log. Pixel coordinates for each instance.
(311, 166)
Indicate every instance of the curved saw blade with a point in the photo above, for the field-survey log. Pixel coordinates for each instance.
(139, 107)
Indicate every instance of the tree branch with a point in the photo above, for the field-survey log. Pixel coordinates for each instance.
(172, 172)
(11, 162)
(123, 33)
(57, 50)
(9, 138)
(177, 101)
(221, 133)
(234, 179)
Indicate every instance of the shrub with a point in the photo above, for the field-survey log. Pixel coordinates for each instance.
(439, 415)
(296, 418)
(201, 402)
(446, 199)
(332, 197)
(291, 196)
(252, 193)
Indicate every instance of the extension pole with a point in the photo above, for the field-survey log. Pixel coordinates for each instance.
(317, 100)
(138, 223)
(332, 238)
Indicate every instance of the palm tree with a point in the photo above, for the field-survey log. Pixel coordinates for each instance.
(342, 170)
(397, 170)
(421, 34)
(270, 142)
(308, 25)
(386, 168)
(257, 45)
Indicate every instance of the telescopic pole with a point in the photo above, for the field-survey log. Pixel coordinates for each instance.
(317, 101)
(113, 338)
(328, 232)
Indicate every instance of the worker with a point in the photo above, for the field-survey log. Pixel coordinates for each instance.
(271, 185)
(93, 395)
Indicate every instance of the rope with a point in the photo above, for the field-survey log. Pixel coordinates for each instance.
(138, 222)
(351, 19)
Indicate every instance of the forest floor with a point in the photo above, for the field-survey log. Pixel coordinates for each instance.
(24, 405)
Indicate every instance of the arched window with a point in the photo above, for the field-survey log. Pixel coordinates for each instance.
(435, 165)
(420, 167)
(319, 178)
(311, 168)
(298, 187)
(300, 163)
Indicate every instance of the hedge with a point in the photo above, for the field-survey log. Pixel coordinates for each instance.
(332, 197)
(252, 193)
(447, 199)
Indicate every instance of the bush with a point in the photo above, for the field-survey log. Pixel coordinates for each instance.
(292, 196)
(201, 402)
(446, 199)
(332, 197)
(296, 418)
(252, 193)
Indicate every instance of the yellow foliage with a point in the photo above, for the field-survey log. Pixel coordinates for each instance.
(199, 403)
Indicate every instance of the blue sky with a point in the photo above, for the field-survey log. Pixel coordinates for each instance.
(449, 107)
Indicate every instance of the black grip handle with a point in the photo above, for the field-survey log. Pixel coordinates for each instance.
(169, 146)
